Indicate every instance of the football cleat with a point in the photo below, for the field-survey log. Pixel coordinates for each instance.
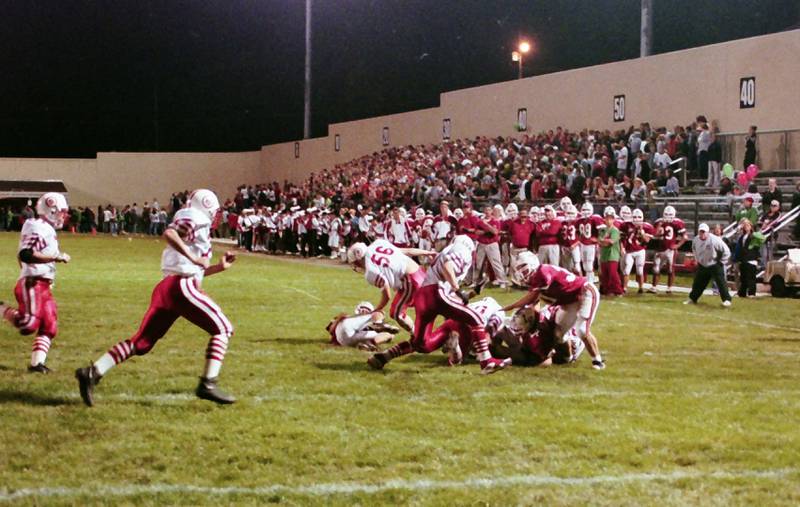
(598, 365)
(367, 346)
(690, 302)
(39, 368)
(382, 327)
(492, 365)
(578, 350)
(653, 290)
(87, 379)
(376, 361)
(726, 304)
(481, 284)
(207, 390)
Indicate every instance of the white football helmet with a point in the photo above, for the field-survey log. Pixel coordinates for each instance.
(609, 211)
(549, 212)
(364, 308)
(565, 203)
(419, 214)
(204, 201)
(356, 252)
(512, 210)
(625, 214)
(53, 207)
(637, 216)
(463, 239)
(458, 213)
(669, 213)
(527, 264)
(525, 320)
(587, 210)
(535, 213)
(571, 213)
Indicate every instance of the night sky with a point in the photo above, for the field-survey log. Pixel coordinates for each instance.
(77, 77)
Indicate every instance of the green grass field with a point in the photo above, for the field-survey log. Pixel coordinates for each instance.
(698, 405)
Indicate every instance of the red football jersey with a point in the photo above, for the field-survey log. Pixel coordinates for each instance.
(670, 232)
(589, 228)
(547, 232)
(568, 236)
(557, 285)
(631, 235)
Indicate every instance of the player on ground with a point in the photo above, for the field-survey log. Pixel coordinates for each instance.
(184, 263)
(577, 298)
(568, 239)
(671, 232)
(589, 226)
(390, 268)
(529, 338)
(636, 234)
(441, 294)
(364, 330)
(457, 340)
(38, 254)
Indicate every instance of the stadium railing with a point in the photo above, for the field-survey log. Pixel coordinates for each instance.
(776, 150)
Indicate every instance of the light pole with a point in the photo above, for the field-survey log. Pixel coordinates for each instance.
(517, 56)
(307, 91)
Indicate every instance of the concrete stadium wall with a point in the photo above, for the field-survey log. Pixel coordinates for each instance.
(124, 178)
(668, 89)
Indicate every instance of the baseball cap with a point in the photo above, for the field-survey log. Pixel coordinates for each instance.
(703, 228)
(748, 198)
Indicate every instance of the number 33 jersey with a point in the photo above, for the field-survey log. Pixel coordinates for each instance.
(384, 265)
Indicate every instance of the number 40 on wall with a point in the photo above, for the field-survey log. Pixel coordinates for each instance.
(747, 92)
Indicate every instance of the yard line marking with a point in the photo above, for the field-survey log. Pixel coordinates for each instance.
(712, 316)
(174, 398)
(348, 488)
(301, 291)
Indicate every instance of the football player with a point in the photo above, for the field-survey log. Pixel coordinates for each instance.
(186, 260)
(529, 338)
(441, 294)
(568, 239)
(390, 268)
(457, 338)
(636, 234)
(589, 226)
(671, 232)
(577, 298)
(364, 330)
(37, 255)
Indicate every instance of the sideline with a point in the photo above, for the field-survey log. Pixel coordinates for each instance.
(349, 488)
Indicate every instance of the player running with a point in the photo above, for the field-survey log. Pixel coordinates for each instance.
(364, 330)
(38, 254)
(636, 234)
(671, 232)
(390, 268)
(577, 298)
(184, 263)
(440, 294)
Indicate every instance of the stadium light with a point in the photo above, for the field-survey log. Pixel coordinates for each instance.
(516, 56)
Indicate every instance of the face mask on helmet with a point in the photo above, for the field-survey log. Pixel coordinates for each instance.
(587, 210)
(669, 213)
(625, 214)
(52, 207)
(571, 213)
(565, 203)
(638, 216)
